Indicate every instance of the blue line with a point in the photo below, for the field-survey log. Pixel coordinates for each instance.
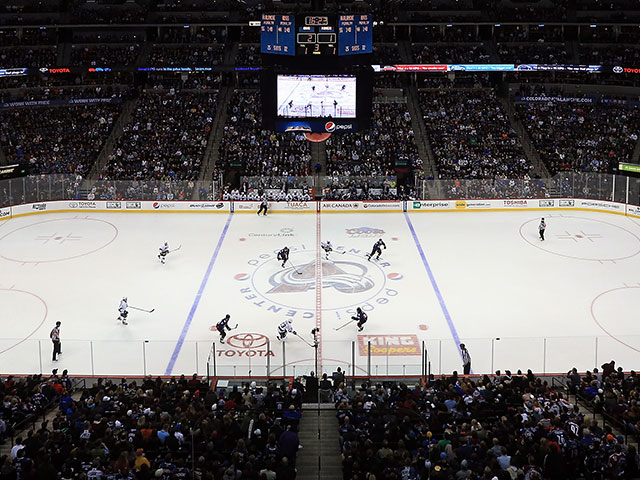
(196, 301)
(434, 284)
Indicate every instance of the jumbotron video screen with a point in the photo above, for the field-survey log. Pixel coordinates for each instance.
(319, 96)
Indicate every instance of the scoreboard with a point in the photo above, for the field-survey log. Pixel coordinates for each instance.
(277, 34)
(355, 34)
(311, 34)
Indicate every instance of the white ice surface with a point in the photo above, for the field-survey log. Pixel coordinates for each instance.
(572, 300)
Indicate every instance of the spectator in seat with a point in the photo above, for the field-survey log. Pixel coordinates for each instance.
(338, 378)
(608, 369)
(288, 445)
(311, 387)
(325, 389)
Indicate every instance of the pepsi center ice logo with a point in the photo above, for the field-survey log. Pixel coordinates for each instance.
(349, 280)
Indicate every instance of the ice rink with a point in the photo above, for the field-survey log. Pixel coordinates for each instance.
(482, 278)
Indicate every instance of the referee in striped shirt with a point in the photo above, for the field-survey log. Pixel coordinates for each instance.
(466, 359)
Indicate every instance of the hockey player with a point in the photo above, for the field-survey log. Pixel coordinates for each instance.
(263, 207)
(221, 325)
(283, 255)
(164, 251)
(327, 247)
(541, 229)
(285, 327)
(361, 317)
(123, 311)
(376, 249)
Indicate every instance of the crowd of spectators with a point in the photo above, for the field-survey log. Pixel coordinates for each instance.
(69, 141)
(609, 54)
(471, 136)
(91, 12)
(450, 53)
(197, 81)
(501, 427)
(246, 146)
(28, 36)
(529, 33)
(386, 54)
(28, 57)
(163, 55)
(104, 55)
(25, 399)
(192, 35)
(388, 147)
(164, 142)
(248, 55)
(579, 136)
(177, 428)
(66, 93)
(538, 52)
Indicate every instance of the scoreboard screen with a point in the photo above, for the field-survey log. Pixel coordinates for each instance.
(316, 35)
(277, 34)
(355, 34)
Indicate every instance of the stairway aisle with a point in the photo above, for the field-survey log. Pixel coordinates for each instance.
(320, 458)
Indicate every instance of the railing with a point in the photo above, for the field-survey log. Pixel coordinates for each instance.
(253, 354)
(41, 188)
(597, 186)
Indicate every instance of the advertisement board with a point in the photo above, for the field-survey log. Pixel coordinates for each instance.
(243, 207)
(382, 206)
(389, 345)
(427, 205)
(601, 205)
(633, 211)
(292, 206)
(5, 213)
(338, 206)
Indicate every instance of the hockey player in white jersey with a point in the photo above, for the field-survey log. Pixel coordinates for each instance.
(285, 327)
(123, 311)
(164, 251)
(327, 247)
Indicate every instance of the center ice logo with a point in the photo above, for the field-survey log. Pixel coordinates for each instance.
(334, 275)
(348, 281)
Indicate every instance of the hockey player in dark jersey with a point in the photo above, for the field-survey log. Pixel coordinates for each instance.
(361, 317)
(376, 250)
(221, 325)
(283, 255)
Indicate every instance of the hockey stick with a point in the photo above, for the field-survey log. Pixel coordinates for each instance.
(142, 309)
(294, 267)
(175, 249)
(350, 321)
(303, 340)
(234, 327)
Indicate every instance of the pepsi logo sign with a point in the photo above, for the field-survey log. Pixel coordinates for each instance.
(330, 126)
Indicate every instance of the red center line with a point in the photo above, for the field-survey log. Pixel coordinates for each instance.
(319, 289)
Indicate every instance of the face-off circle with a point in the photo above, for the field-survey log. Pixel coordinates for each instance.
(57, 240)
(25, 313)
(582, 238)
(606, 313)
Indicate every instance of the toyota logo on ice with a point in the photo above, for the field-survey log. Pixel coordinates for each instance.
(247, 340)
